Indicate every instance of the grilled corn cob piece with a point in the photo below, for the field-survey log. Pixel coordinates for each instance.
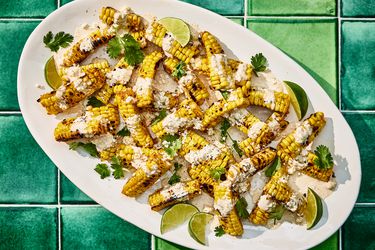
(67, 95)
(261, 212)
(221, 75)
(144, 177)
(215, 112)
(232, 224)
(195, 87)
(292, 145)
(102, 65)
(179, 192)
(147, 71)
(224, 199)
(242, 76)
(96, 121)
(277, 187)
(315, 171)
(192, 142)
(107, 15)
(128, 153)
(200, 64)
(275, 101)
(156, 33)
(104, 94)
(121, 74)
(125, 99)
(185, 117)
(81, 49)
(131, 21)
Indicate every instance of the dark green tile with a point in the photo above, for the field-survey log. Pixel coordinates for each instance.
(95, 227)
(28, 228)
(363, 126)
(311, 43)
(332, 243)
(70, 194)
(357, 66)
(166, 245)
(233, 7)
(13, 37)
(292, 7)
(364, 8)
(27, 175)
(62, 2)
(359, 229)
(27, 8)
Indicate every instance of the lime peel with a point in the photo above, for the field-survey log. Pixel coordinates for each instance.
(298, 98)
(50, 74)
(314, 209)
(178, 28)
(176, 215)
(197, 226)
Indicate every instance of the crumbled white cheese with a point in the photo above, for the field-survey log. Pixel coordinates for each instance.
(254, 131)
(119, 75)
(186, 78)
(217, 63)
(247, 164)
(79, 124)
(240, 75)
(167, 44)
(139, 159)
(207, 209)
(284, 179)
(142, 86)
(224, 205)
(233, 174)
(237, 116)
(196, 63)
(298, 163)
(302, 132)
(149, 33)
(129, 99)
(197, 124)
(269, 98)
(103, 142)
(74, 75)
(265, 203)
(161, 100)
(127, 140)
(175, 191)
(274, 125)
(132, 123)
(210, 131)
(208, 152)
(232, 97)
(86, 45)
(150, 170)
(293, 203)
(172, 123)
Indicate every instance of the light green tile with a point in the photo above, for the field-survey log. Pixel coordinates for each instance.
(27, 175)
(70, 194)
(27, 8)
(232, 7)
(237, 20)
(311, 43)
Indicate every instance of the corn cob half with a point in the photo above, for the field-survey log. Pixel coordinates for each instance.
(315, 171)
(231, 223)
(277, 187)
(275, 101)
(179, 192)
(261, 212)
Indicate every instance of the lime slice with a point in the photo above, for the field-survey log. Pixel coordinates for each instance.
(314, 209)
(298, 98)
(50, 73)
(179, 29)
(176, 215)
(197, 226)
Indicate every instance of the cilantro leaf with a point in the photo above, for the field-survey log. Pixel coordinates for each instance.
(174, 144)
(277, 212)
(177, 166)
(241, 206)
(273, 167)
(259, 63)
(61, 39)
(219, 231)
(94, 102)
(124, 132)
(180, 70)
(103, 170)
(324, 160)
(88, 147)
(216, 173)
(162, 114)
(225, 94)
(128, 46)
(174, 179)
(237, 148)
(225, 125)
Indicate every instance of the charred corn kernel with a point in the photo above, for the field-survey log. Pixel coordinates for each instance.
(277, 187)
(179, 192)
(156, 33)
(81, 49)
(192, 142)
(71, 93)
(143, 178)
(215, 112)
(232, 224)
(323, 174)
(221, 75)
(147, 71)
(96, 121)
(107, 15)
(104, 94)
(200, 64)
(242, 76)
(194, 86)
(125, 99)
(186, 116)
(102, 65)
(275, 101)
(127, 153)
(139, 36)
(108, 153)
(292, 145)
(259, 216)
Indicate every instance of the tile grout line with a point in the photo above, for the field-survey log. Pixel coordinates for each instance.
(10, 112)
(339, 51)
(50, 205)
(358, 111)
(58, 3)
(21, 19)
(59, 207)
(152, 242)
(245, 8)
(340, 235)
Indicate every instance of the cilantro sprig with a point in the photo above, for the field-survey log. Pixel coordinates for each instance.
(116, 165)
(103, 170)
(216, 173)
(225, 94)
(88, 147)
(61, 39)
(277, 212)
(224, 127)
(259, 63)
(94, 102)
(241, 207)
(124, 132)
(175, 177)
(180, 70)
(219, 231)
(325, 159)
(174, 144)
(126, 46)
(162, 114)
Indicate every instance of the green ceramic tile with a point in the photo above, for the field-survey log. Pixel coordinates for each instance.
(364, 8)
(357, 65)
(311, 43)
(237, 20)
(332, 243)
(166, 245)
(233, 7)
(13, 37)
(292, 7)
(363, 126)
(26, 174)
(70, 194)
(28, 228)
(95, 227)
(359, 229)
(27, 8)
(62, 2)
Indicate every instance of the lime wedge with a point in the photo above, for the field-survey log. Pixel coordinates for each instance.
(197, 226)
(176, 216)
(314, 209)
(298, 98)
(50, 73)
(179, 29)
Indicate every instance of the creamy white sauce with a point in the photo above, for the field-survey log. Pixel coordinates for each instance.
(176, 191)
(103, 142)
(224, 205)
(265, 203)
(237, 117)
(302, 132)
(269, 98)
(161, 100)
(267, 80)
(142, 86)
(132, 123)
(150, 170)
(167, 44)
(119, 75)
(86, 45)
(172, 123)
(189, 77)
(240, 75)
(254, 131)
(300, 183)
(208, 152)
